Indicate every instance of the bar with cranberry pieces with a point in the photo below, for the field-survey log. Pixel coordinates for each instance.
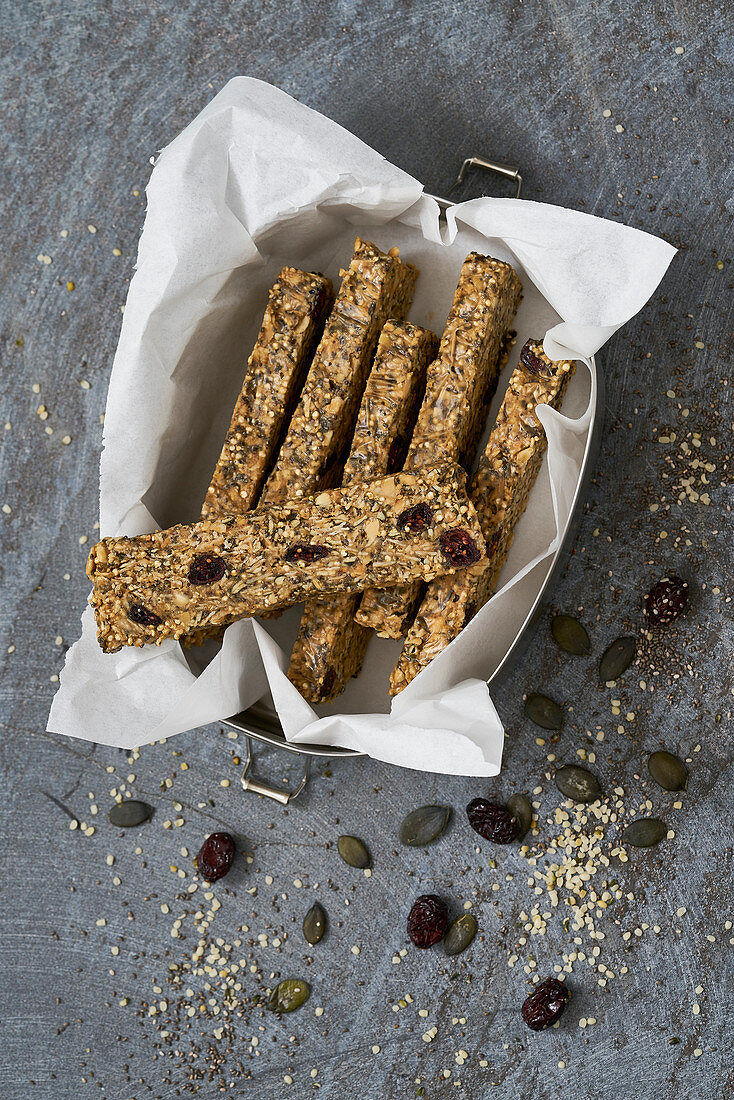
(461, 383)
(499, 491)
(378, 533)
(331, 645)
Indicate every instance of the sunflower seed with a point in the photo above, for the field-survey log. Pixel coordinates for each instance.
(645, 833)
(288, 995)
(617, 658)
(314, 924)
(668, 771)
(571, 635)
(544, 711)
(424, 825)
(459, 934)
(578, 784)
(126, 815)
(522, 811)
(353, 851)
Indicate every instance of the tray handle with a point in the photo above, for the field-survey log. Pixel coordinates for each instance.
(509, 171)
(257, 786)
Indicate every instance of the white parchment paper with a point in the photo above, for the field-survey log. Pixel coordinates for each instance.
(258, 180)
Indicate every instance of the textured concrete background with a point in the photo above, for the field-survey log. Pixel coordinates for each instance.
(616, 109)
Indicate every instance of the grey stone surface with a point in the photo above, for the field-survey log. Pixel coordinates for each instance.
(91, 91)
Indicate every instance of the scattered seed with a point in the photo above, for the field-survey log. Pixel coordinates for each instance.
(571, 635)
(522, 811)
(617, 658)
(288, 995)
(668, 771)
(353, 851)
(314, 924)
(126, 815)
(544, 711)
(645, 833)
(424, 825)
(460, 934)
(578, 784)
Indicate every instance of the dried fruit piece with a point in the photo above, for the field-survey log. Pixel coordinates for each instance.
(415, 519)
(306, 552)
(645, 833)
(424, 825)
(288, 995)
(544, 711)
(666, 600)
(460, 934)
(571, 635)
(215, 856)
(314, 924)
(353, 851)
(206, 569)
(522, 812)
(427, 920)
(533, 363)
(668, 771)
(126, 815)
(545, 1004)
(578, 784)
(491, 821)
(617, 658)
(142, 615)
(459, 547)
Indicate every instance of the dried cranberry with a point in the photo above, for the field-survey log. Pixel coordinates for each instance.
(306, 552)
(428, 920)
(142, 616)
(206, 569)
(545, 1004)
(215, 856)
(396, 453)
(459, 547)
(328, 681)
(666, 601)
(491, 821)
(533, 363)
(415, 519)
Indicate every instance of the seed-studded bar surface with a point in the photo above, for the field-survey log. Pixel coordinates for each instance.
(499, 491)
(461, 384)
(331, 645)
(383, 532)
(298, 305)
(375, 287)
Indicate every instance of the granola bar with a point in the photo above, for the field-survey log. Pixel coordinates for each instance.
(331, 645)
(499, 491)
(376, 286)
(383, 532)
(461, 384)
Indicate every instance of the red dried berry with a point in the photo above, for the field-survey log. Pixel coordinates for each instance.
(459, 547)
(215, 856)
(306, 552)
(666, 601)
(428, 920)
(545, 1004)
(206, 569)
(491, 821)
(142, 616)
(415, 520)
(533, 363)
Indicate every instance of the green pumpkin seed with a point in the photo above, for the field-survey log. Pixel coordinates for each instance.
(578, 784)
(314, 924)
(668, 771)
(353, 851)
(522, 811)
(544, 711)
(424, 825)
(459, 934)
(617, 658)
(645, 833)
(571, 635)
(288, 995)
(126, 815)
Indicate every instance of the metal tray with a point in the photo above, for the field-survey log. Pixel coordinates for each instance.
(260, 721)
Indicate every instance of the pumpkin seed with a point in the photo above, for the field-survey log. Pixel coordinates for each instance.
(353, 851)
(645, 833)
(424, 825)
(288, 995)
(668, 771)
(522, 811)
(617, 658)
(578, 784)
(314, 924)
(544, 711)
(126, 815)
(459, 934)
(571, 635)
